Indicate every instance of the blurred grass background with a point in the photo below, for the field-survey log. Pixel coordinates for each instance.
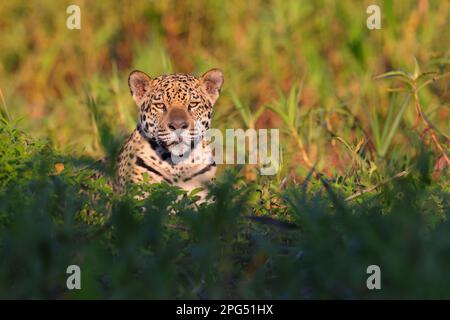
(266, 49)
(306, 67)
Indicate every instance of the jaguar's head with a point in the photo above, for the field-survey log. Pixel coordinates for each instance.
(174, 110)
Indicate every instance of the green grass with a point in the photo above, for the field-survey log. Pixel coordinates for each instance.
(364, 137)
(311, 244)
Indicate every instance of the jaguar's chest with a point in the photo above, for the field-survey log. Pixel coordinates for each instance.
(140, 162)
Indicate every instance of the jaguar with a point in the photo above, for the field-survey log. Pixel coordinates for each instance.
(169, 144)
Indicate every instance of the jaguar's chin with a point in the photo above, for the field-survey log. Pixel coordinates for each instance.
(180, 150)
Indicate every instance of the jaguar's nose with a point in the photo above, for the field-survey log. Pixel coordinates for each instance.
(178, 124)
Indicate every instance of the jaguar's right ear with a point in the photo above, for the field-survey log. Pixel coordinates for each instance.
(140, 85)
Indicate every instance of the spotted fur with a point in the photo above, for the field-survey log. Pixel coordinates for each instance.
(174, 112)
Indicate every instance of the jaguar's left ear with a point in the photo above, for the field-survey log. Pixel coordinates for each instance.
(140, 85)
(212, 82)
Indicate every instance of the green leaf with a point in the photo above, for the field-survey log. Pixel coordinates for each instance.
(392, 74)
(393, 128)
(416, 73)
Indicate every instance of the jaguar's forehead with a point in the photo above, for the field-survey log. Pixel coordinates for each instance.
(180, 88)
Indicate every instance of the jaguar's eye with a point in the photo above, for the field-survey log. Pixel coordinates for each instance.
(159, 106)
(193, 105)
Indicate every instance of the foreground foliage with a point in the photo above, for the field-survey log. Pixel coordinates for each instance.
(314, 245)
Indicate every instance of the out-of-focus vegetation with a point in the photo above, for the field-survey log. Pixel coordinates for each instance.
(364, 177)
